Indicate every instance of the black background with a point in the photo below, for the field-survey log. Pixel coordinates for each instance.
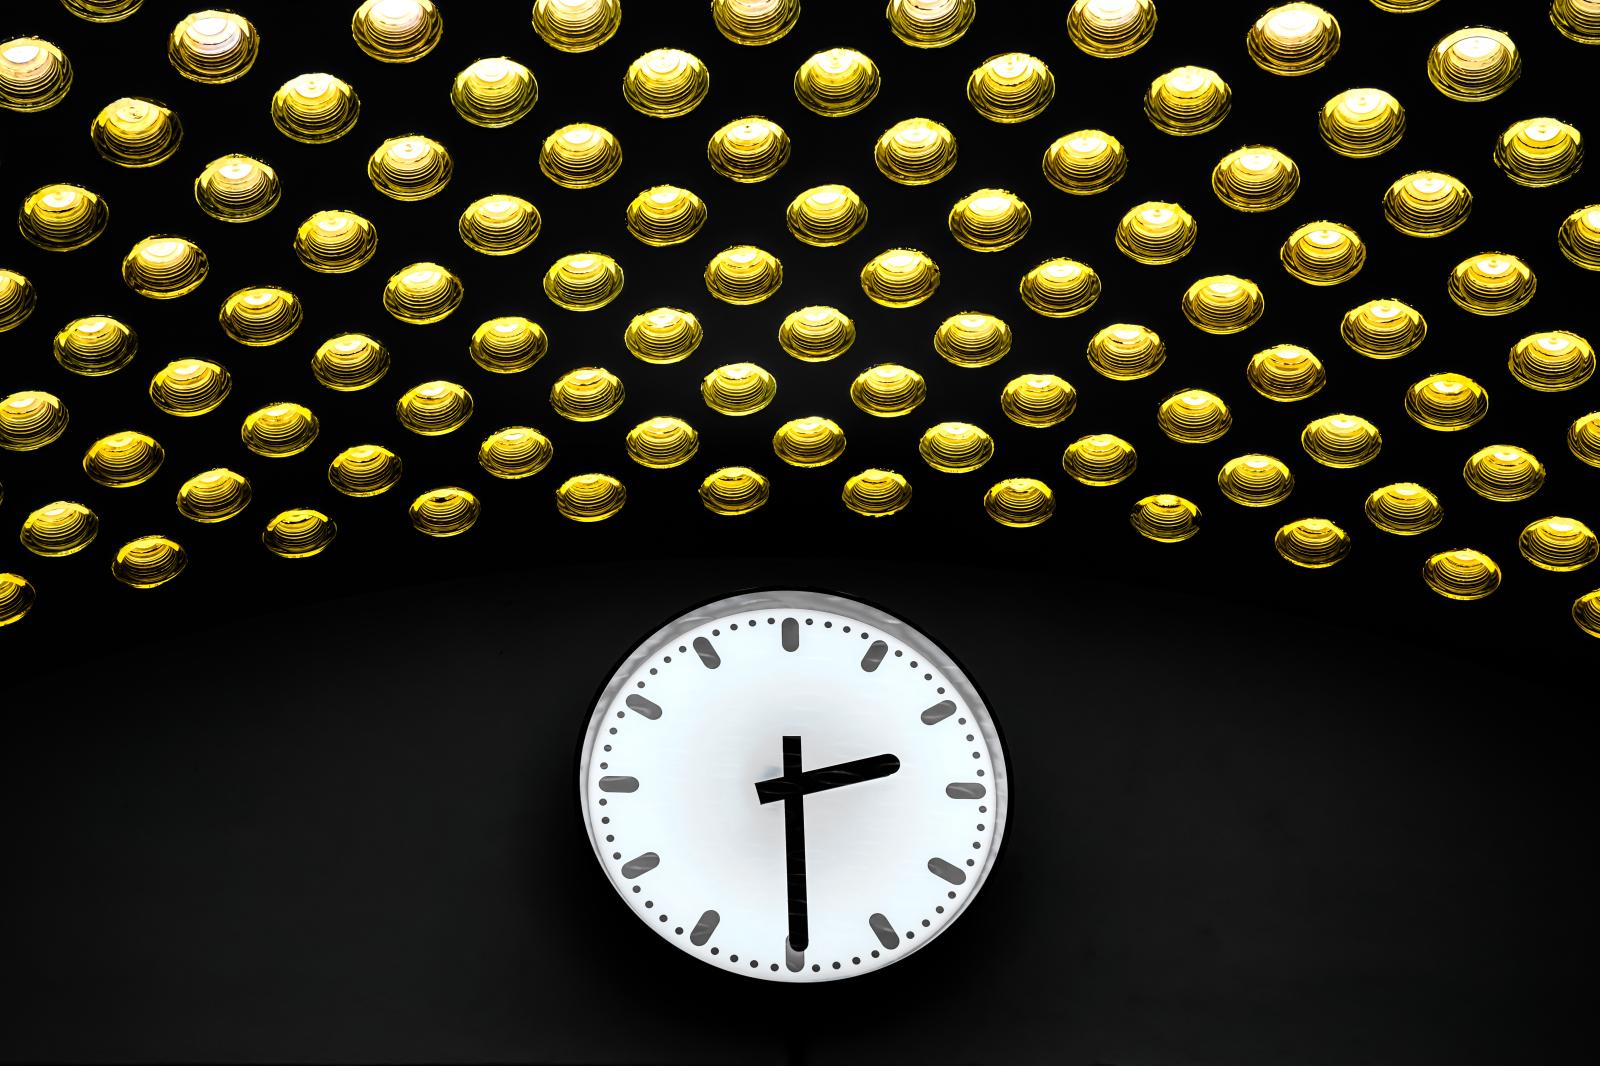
(324, 809)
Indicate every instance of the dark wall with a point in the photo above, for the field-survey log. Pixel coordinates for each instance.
(353, 836)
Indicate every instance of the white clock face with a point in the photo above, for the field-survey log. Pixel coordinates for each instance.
(793, 786)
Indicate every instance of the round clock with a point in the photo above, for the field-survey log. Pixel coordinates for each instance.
(793, 786)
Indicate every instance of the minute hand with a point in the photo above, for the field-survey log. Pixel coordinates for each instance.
(826, 777)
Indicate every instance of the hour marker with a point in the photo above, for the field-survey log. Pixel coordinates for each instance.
(874, 656)
(795, 960)
(708, 654)
(964, 790)
(619, 784)
(791, 634)
(641, 865)
(954, 874)
(638, 703)
(884, 930)
(704, 928)
(938, 712)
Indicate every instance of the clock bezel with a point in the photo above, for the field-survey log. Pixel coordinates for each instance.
(806, 599)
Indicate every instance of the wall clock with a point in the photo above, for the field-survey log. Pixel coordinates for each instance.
(793, 785)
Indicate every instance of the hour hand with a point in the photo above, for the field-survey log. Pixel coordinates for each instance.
(826, 777)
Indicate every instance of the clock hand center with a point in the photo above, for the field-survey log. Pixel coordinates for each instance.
(792, 788)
